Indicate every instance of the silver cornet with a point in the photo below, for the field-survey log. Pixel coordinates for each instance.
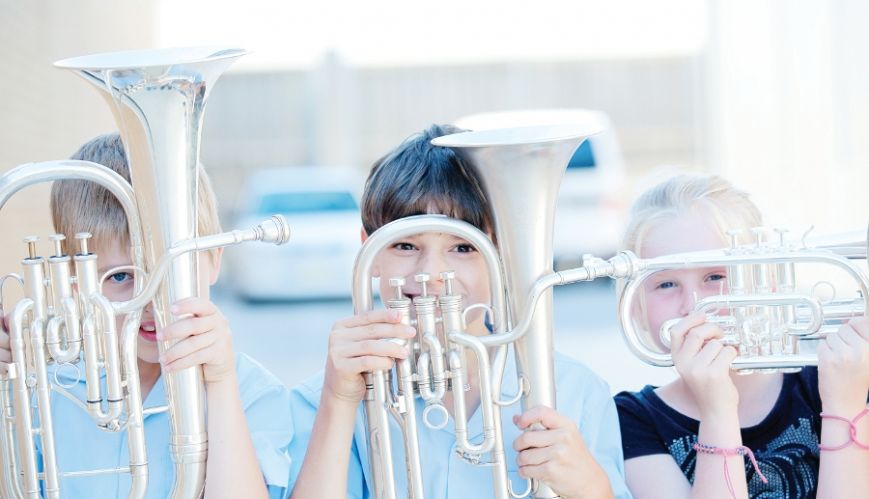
(773, 324)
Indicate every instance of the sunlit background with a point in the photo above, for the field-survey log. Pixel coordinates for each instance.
(770, 94)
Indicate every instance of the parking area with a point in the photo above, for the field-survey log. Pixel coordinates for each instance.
(290, 338)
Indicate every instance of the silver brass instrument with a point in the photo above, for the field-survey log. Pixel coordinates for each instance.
(773, 325)
(521, 170)
(158, 99)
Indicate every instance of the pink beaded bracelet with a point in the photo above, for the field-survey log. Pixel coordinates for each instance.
(852, 428)
(737, 451)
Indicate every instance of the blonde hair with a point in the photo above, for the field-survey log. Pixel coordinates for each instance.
(84, 206)
(727, 207)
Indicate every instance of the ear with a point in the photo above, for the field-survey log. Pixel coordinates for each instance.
(213, 265)
(363, 236)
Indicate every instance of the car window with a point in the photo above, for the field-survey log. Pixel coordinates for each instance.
(583, 157)
(306, 202)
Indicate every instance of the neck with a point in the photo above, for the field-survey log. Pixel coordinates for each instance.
(149, 373)
(758, 394)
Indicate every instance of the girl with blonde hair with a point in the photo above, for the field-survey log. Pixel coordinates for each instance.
(691, 437)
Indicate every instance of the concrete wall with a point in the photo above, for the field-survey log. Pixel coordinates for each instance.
(46, 113)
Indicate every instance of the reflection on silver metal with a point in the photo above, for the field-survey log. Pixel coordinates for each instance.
(158, 98)
(521, 170)
(773, 327)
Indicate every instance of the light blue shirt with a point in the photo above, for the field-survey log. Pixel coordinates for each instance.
(80, 445)
(580, 394)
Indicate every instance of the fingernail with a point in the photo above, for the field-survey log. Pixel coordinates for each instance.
(393, 315)
(410, 331)
(175, 309)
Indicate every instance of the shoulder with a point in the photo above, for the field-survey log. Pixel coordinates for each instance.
(255, 381)
(635, 402)
(640, 418)
(309, 390)
(575, 377)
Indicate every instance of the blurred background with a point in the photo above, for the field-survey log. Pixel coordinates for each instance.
(770, 94)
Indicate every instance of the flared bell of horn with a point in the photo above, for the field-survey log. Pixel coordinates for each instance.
(521, 169)
(158, 99)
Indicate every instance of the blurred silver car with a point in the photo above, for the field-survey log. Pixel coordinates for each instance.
(321, 206)
(589, 215)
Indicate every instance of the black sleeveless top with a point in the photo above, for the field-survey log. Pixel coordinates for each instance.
(785, 443)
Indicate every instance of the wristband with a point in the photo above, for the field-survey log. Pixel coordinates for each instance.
(852, 429)
(736, 451)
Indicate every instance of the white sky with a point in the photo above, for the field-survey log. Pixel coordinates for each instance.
(288, 33)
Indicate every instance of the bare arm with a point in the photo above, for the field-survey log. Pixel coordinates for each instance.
(655, 476)
(233, 470)
(355, 346)
(328, 451)
(204, 338)
(843, 382)
(704, 365)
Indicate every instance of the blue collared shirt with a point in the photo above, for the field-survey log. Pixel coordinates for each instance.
(580, 394)
(80, 445)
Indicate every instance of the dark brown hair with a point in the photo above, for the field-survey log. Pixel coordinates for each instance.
(417, 178)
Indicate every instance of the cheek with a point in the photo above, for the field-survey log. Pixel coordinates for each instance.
(660, 307)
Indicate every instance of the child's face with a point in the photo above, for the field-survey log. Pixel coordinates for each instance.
(671, 294)
(434, 253)
(119, 286)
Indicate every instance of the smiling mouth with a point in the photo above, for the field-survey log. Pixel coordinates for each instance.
(148, 332)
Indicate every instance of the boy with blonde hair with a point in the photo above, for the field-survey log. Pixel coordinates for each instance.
(241, 394)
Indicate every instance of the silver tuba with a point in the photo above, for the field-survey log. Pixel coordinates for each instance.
(158, 99)
(521, 170)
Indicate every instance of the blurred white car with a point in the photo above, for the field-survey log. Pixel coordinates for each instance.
(321, 206)
(589, 214)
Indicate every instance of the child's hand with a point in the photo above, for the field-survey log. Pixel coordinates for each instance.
(204, 338)
(557, 455)
(356, 345)
(704, 364)
(843, 368)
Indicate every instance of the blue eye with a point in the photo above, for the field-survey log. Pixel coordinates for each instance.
(667, 285)
(716, 277)
(120, 277)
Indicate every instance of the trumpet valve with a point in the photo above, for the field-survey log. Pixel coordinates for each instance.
(396, 283)
(82, 238)
(58, 240)
(423, 279)
(447, 277)
(31, 246)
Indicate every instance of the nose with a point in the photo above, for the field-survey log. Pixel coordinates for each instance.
(433, 264)
(689, 298)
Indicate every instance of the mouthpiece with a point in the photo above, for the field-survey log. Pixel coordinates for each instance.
(274, 230)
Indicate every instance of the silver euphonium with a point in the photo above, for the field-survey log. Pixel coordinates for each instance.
(521, 170)
(157, 98)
